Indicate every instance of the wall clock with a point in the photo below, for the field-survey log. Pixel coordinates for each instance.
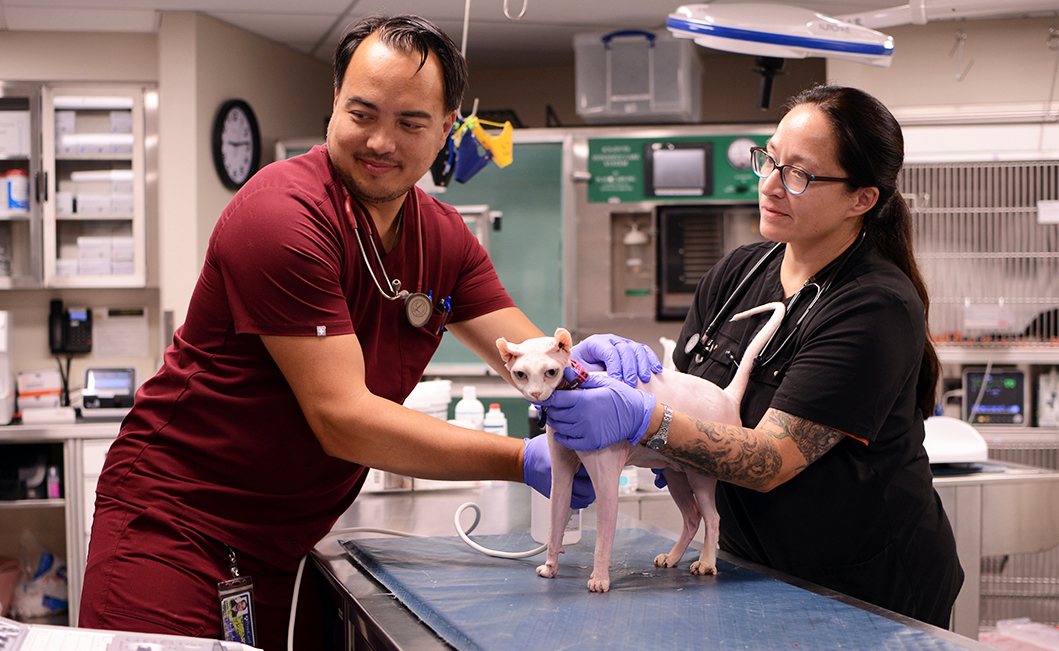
(236, 143)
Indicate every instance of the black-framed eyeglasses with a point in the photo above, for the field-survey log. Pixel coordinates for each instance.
(794, 178)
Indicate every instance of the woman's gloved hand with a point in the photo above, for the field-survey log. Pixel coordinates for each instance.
(537, 470)
(660, 479)
(621, 358)
(602, 412)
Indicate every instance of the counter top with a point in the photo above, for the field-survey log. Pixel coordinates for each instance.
(58, 431)
(990, 472)
(386, 623)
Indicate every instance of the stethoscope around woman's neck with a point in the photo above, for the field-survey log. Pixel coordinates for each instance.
(704, 344)
(417, 305)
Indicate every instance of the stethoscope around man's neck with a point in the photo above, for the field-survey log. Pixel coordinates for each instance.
(704, 344)
(417, 305)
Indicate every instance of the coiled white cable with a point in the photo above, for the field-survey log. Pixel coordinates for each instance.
(485, 550)
(981, 392)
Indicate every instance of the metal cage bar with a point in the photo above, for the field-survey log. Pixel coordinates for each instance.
(979, 244)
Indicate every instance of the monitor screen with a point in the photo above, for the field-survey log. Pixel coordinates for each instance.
(110, 382)
(998, 398)
(678, 169)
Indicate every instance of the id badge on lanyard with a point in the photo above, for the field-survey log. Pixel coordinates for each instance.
(237, 605)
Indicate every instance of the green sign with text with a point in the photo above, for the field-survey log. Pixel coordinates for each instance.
(686, 168)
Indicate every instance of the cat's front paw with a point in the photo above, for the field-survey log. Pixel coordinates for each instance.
(700, 568)
(599, 584)
(548, 570)
(665, 560)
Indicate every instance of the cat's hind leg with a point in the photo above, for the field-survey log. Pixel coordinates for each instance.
(705, 491)
(681, 492)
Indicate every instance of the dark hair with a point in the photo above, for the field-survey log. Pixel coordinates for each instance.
(408, 34)
(871, 149)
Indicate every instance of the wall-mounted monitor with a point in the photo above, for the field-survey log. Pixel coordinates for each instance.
(996, 398)
(678, 169)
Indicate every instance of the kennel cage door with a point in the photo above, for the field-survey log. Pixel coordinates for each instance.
(690, 242)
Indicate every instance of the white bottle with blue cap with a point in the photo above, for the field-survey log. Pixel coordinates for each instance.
(470, 409)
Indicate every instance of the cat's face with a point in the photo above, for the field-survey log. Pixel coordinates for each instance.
(536, 365)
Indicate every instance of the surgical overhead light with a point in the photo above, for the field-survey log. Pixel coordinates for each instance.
(780, 31)
(774, 32)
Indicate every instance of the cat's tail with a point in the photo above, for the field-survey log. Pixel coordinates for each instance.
(737, 386)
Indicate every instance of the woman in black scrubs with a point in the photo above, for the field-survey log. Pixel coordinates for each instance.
(828, 479)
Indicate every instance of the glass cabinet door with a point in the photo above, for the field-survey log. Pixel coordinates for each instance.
(94, 219)
(20, 183)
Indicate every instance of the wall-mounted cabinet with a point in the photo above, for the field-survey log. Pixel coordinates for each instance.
(95, 210)
(20, 169)
(78, 162)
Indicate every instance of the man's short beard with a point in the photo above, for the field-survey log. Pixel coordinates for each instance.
(364, 196)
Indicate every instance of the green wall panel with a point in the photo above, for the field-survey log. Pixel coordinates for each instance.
(527, 251)
(617, 169)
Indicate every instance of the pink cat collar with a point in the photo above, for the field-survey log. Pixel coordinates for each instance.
(582, 375)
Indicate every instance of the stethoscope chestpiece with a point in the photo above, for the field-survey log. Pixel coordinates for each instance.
(701, 346)
(418, 308)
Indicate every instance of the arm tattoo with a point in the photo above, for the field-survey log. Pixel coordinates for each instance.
(751, 457)
(732, 453)
(812, 439)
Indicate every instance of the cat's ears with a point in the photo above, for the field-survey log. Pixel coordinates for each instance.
(563, 342)
(504, 348)
(563, 339)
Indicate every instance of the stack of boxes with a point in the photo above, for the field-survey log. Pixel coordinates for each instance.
(103, 255)
(14, 134)
(39, 389)
(70, 143)
(104, 192)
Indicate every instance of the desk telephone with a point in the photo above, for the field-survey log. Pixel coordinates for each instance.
(69, 330)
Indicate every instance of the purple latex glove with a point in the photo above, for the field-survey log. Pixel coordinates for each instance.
(622, 359)
(660, 479)
(602, 412)
(537, 471)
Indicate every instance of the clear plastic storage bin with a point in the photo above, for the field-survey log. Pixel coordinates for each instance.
(637, 77)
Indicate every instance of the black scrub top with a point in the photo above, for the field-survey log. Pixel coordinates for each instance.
(863, 519)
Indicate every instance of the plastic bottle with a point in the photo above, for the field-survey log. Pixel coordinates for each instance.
(540, 520)
(17, 182)
(534, 423)
(54, 490)
(470, 408)
(495, 420)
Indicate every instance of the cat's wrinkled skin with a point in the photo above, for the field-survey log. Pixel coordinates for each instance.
(536, 367)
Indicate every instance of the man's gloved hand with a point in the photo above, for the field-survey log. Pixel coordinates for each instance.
(537, 470)
(602, 412)
(621, 358)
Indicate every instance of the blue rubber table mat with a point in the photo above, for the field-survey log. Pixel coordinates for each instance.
(477, 602)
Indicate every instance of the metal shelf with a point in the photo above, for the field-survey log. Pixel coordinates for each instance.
(1037, 355)
(95, 217)
(52, 503)
(64, 158)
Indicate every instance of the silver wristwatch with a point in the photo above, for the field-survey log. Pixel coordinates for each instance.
(658, 441)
